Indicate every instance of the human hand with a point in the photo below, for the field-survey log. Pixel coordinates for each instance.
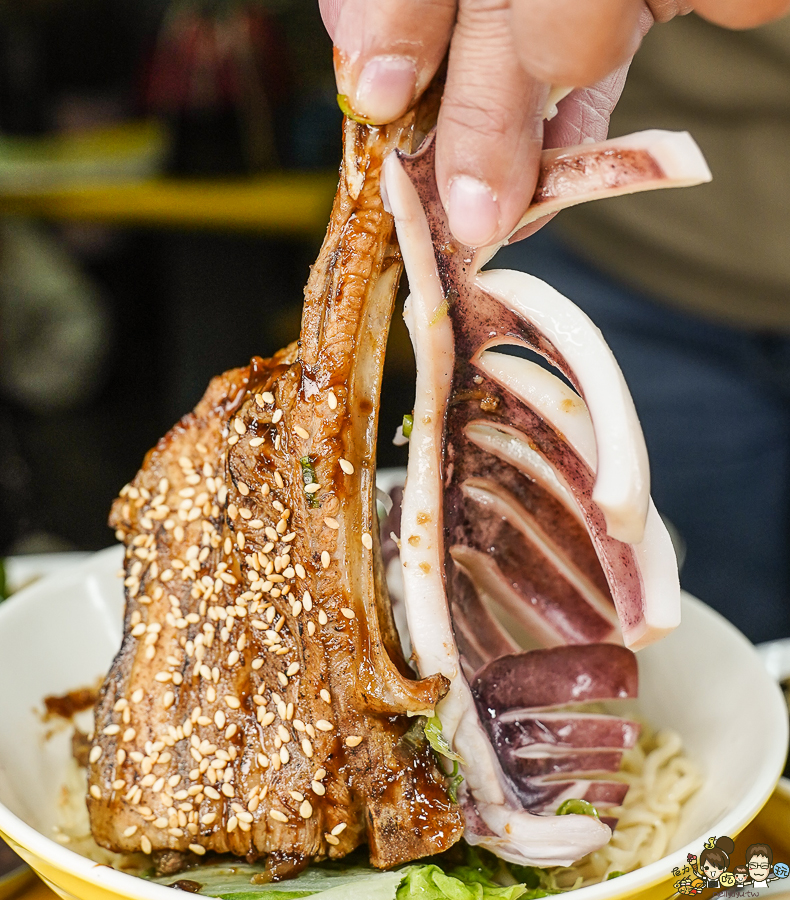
(503, 55)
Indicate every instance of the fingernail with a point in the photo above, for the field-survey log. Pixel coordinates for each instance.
(473, 211)
(385, 88)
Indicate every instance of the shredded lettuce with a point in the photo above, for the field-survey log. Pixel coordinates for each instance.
(465, 873)
(330, 881)
(431, 883)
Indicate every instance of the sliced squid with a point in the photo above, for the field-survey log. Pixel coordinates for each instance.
(526, 517)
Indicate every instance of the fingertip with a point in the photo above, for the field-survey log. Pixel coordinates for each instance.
(737, 14)
(575, 43)
(473, 211)
(385, 88)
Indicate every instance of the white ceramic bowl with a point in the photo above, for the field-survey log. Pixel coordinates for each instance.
(62, 632)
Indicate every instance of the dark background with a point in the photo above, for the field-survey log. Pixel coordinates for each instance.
(179, 307)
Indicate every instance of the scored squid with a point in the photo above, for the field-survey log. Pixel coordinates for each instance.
(528, 502)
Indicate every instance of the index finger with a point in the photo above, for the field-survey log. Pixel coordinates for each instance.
(388, 51)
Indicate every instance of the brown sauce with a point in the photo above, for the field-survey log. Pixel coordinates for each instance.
(184, 884)
(66, 706)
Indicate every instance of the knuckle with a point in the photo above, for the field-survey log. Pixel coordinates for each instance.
(489, 120)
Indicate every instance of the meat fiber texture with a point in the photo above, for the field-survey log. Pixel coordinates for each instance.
(260, 704)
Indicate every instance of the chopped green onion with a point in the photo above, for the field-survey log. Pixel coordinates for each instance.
(345, 108)
(308, 477)
(612, 875)
(437, 740)
(441, 746)
(577, 808)
(408, 424)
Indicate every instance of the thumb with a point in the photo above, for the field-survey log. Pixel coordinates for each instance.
(584, 114)
(330, 13)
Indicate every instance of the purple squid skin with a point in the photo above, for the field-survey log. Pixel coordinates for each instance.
(518, 694)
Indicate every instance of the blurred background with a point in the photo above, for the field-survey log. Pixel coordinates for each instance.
(166, 173)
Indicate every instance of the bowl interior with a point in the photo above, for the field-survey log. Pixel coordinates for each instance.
(705, 681)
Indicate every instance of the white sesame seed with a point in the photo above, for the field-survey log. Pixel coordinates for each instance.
(317, 788)
(168, 700)
(284, 755)
(227, 790)
(331, 839)
(95, 754)
(323, 725)
(268, 397)
(239, 426)
(278, 816)
(306, 810)
(347, 467)
(292, 669)
(196, 848)
(211, 793)
(331, 399)
(111, 730)
(232, 702)
(312, 487)
(95, 792)
(322, 617)
(301, 432)
(325, 559)
(278, 414)
(348, 613)
(367, 541)
(353, 740)
(219, 719)
(145, 845)
(128, 832)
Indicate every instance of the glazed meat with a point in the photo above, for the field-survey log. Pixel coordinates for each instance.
(260, 704)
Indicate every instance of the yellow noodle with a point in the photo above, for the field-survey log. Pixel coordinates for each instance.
(661, 780)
